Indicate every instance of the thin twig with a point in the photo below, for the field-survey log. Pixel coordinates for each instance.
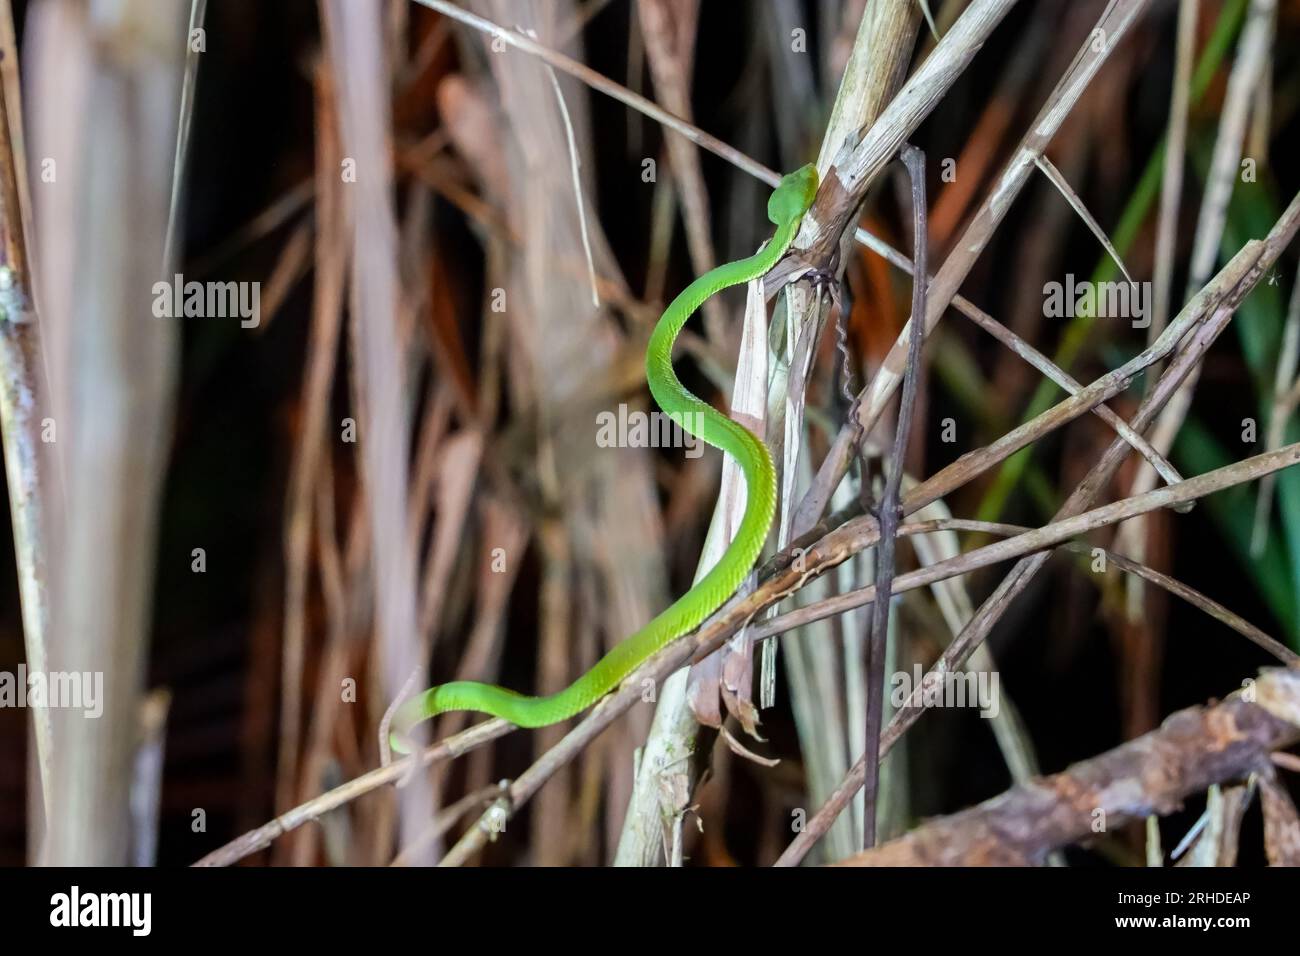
(574, 165)
(890, 511)
(1172, 585)
(1076, 203)
(1279, 414)
(1048, 535)
(262, 837)
(1171, 188)
(605, 85)
(198, 11)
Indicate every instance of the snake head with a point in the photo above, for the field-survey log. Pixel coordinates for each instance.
(793, 195)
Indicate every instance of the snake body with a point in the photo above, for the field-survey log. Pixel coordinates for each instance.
(786, 207)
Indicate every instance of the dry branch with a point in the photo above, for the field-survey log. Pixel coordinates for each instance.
(1191, 750)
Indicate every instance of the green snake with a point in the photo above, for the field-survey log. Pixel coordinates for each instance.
(785, 208)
